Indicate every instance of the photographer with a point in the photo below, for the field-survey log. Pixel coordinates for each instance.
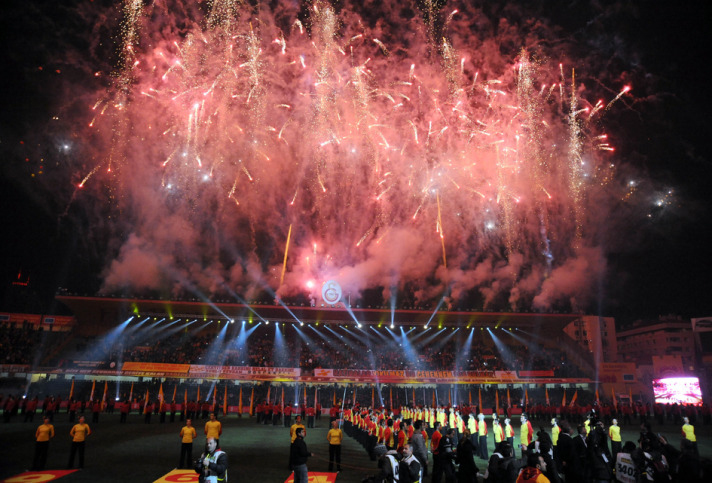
(212, 465)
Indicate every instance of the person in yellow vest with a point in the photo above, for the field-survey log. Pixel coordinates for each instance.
(482, 433)
(187, 435)
(472, 428)
(79, 434)
(451, 419)
(334, 437)
(688, 432)
(460, 423)
(555, 430)
(213, 428)
(44, 433)
(509, 432)
(442, 417)
(526, 434)
(614, 432)
(498, 433)
(587, 425)
(297, 424)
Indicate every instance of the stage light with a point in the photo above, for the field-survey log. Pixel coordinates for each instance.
(267, 322)
(393, 326)
(301, 323)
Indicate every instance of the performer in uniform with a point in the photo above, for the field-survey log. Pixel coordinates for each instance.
(79, 434)
(213, 428)
(688, 432)
(526, 434)
(482, 440)
(44, 433)
(334, 437)
(187, 435)
(509, 432)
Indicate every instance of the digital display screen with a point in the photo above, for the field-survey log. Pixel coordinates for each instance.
(680, 390)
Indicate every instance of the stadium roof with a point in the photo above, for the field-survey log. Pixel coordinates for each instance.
(109, 309)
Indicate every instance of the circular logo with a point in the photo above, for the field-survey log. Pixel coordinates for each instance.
(331, 292)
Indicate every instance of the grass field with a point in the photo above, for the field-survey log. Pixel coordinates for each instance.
(138, 452)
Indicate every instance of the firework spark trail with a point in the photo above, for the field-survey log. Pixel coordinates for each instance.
(326, 111)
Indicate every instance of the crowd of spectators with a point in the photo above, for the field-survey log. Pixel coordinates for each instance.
(335, 348)
(21, 344)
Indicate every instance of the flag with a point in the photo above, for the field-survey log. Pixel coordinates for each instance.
(269, 390)
(434, 402)
(185, 399)
(449, 397)
(145, 402)
(613, 394)
(315, 391)
(131, 394)
(239, 403)
(598, 401)
(103, 398)
(215, 392)
(546, 391)
(573, 399)
(480, 398)
(71, 390)
(160, 398)
(509, 401)
(630, 395)
(470, 396)
(526, 397)
(413, 397)
(391, 397)
(93, 385)
(563, 399)
(496, 401)
(225, 401)
(197, 398)
(175, 388)
(252, 400)
(333, 400)
(373, 396)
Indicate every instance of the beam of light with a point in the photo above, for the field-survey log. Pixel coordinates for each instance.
(411, 354)
(279, 353)
(463, 355)
(440, 303)
(506, 354)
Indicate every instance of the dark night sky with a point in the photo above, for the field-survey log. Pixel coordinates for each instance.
(665, 269)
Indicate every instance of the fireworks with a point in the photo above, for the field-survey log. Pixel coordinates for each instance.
(271, 132)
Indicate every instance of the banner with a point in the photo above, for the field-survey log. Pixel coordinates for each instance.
(535, 373)
(244, 372)
(149, 368)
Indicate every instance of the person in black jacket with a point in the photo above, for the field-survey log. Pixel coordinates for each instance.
(600, 459)
(298, 457)
(212, 465)
(581, 469)
(566, 453)
(465, 457)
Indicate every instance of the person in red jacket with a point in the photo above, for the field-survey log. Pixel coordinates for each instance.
(288, 415)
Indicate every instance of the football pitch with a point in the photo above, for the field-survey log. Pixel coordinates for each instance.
(145, 453)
